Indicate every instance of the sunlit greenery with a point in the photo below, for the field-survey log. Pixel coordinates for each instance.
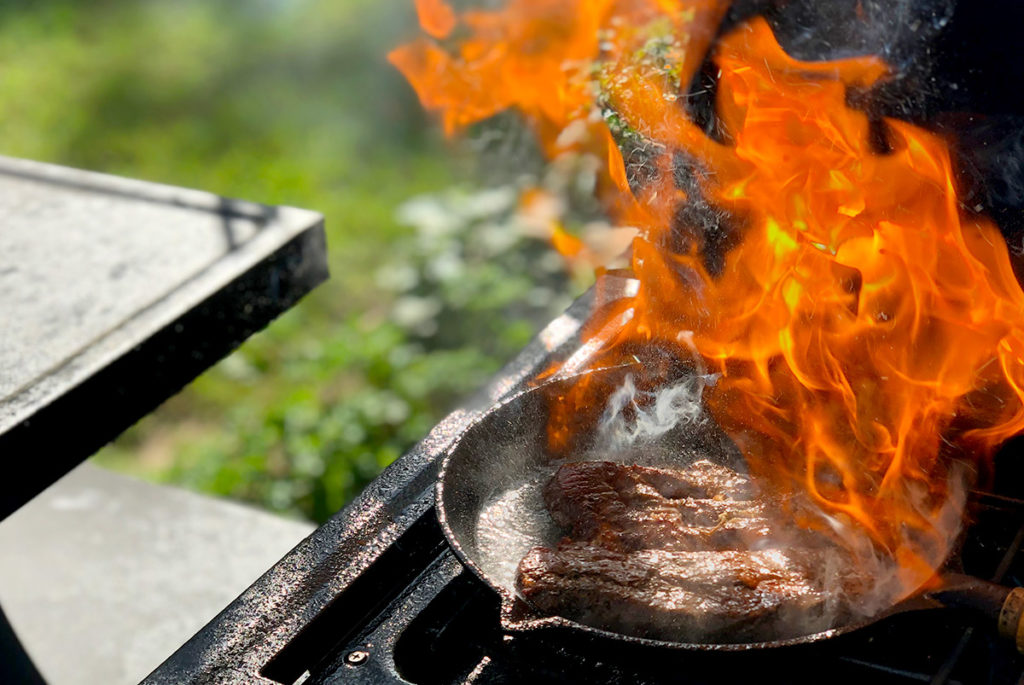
(289, 102)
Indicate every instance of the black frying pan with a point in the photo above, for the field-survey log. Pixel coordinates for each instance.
(491, 519)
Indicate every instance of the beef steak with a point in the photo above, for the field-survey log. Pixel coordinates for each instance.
(678, 554)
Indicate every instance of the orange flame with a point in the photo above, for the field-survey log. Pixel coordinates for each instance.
(866, 329)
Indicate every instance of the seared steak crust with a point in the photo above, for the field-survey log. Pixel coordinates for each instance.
(732, 595)
(674, 554)
(636, 507)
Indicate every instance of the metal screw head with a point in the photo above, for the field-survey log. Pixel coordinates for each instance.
(357, 657)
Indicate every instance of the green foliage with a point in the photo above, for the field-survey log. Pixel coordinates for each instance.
(289, 103)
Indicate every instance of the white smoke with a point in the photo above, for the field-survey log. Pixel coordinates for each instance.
(634, 416)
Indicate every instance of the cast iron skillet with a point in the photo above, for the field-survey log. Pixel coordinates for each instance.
(505, 447)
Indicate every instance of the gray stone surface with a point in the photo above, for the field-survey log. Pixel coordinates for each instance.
(83, 255)
(103, 576)
(115, 293)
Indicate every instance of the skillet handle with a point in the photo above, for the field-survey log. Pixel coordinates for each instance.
(1003, 605)
(1011, 618)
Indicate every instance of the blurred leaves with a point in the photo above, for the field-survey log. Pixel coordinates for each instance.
(310, 419)
(290, 102)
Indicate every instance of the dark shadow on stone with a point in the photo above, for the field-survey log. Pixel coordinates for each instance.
(15, 665)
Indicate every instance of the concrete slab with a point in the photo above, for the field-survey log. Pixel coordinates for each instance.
(102, 576)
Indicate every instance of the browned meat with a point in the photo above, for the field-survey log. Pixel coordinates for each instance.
(706, 596)
(679, 555)
(636, 507)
